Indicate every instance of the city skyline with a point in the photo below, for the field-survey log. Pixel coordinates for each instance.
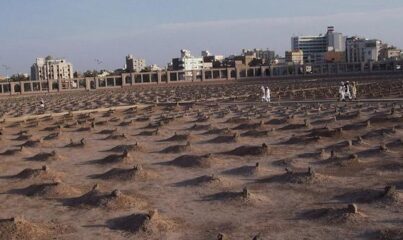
(109, 31)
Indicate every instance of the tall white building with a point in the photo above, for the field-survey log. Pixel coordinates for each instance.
(48, 68)
(315, 47)
(187, 61)
(362, 50)
(135, 64)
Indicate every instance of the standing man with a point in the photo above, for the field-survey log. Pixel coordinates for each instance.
(263, 93)
(342, 92)
(354, 91)
(268, 93)
(347, 89)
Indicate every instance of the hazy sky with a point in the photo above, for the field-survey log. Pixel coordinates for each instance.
(84, 30)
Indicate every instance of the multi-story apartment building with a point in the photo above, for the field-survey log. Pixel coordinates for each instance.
(389, 53)
(315, 47)
(135, 64)
(362, 50)
(187, 61)
(48, 68)
(267, 56)
(296, 56)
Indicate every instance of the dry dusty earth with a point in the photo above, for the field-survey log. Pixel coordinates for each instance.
(217, 170)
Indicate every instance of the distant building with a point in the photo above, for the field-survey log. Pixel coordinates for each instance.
(135, 64)
(205, 53)
(211, 61)
(153, 68)
(267, 56)
(314, 47)
(3, 78)
(187, 62)
(335, 57)
(296, 57)
(362, 50)
(389, 53)
(48, 68)
(104, 74)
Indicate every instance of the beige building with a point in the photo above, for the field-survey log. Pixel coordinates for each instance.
(296, 56)
(388, 53)
(135, 64)
(335, 57)
(48, 68)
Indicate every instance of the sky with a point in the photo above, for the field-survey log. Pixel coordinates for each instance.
(84, 30)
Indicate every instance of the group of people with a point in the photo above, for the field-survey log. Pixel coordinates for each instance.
(348, 91)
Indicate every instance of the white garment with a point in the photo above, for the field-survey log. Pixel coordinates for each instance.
(342, 92)
(263, 94)
(347, 93)
(267, 97)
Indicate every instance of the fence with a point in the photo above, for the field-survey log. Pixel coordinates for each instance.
(216, 74)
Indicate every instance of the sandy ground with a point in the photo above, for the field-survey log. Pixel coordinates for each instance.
(203, 171)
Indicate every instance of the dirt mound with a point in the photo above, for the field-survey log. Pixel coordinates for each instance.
(277, 121)
(379, 133)
(53, 136)
(114, 200)
(189, 161)
(295, 126)
(107, 131)
(206, 180)
(199, 127)
(225, 131)
(136, 173)
(10, 152)
(84, 129)
(178, 138)
(23, 137)
(250, 150)
(347, 215)
(32, 143)
(44, 156)
(127, 147)
(149, 133)
(47, 190)
(248, 126)
(294, 177)
(77, 144)
(395, 145)
(177, 148)
(116, 136)
(225, 139)
(21, 229)
(255, 133)
(388, 195)
(238, 120)
(244, 170)
(125, 157)
(244, 196)
(149, 223)
(389, 234)
(43, 173)
(326, 132)
(301, 140)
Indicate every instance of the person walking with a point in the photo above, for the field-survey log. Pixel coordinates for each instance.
(342, 92)
(354, 91)
(268, 93)
(263, 94)
(347, 89)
